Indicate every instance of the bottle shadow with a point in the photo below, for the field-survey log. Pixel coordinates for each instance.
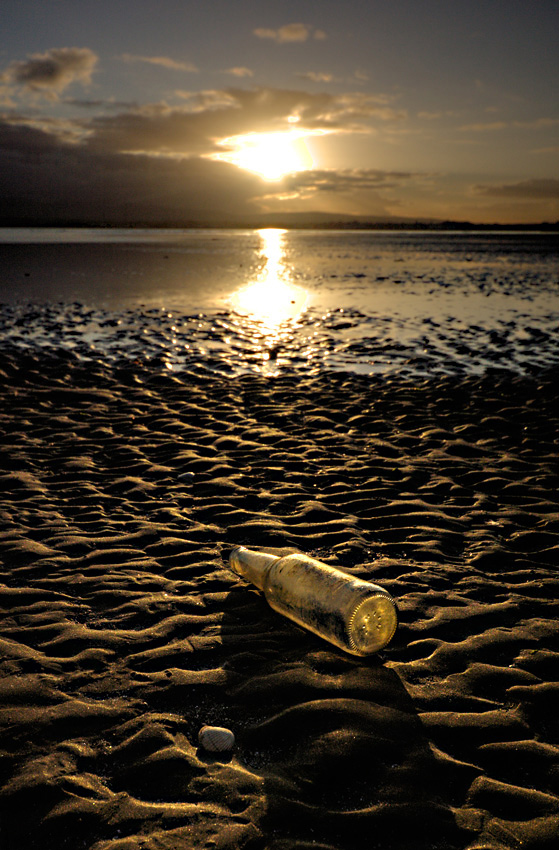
(334, 740)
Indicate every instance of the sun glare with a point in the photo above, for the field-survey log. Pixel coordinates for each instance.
(272, 155)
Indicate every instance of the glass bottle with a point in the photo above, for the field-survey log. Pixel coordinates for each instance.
(355, 615)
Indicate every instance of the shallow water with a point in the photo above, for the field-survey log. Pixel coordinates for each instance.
(410, 303)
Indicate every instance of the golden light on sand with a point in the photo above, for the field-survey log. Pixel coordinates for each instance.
(272, 155)
(272, 298)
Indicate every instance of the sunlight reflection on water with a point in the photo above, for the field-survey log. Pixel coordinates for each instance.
(272, 298)
(275, 302)
(268, 309)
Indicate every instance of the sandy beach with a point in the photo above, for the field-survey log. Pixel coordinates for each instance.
(281, 276)
(123, 632)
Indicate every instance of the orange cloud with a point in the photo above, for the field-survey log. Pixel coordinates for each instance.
(290, 33)
(163, 61)
(240, 72)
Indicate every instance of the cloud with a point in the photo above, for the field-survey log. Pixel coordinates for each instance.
(316, 76)
(162, 61)
(51, 72)
(535, 124)
(535, 189)
(151, 163)
(82, 103)
(59, 129)
(240, 72)
(290, 33)
(538, 123)
(6, 96)
(209, 116)
(44, 178)
(345, 180)
(345, 191)
(489, 126)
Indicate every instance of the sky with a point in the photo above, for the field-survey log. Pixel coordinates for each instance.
(215, 111)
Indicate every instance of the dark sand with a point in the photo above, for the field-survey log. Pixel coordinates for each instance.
(123, 632)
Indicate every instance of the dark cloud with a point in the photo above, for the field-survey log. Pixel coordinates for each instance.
(20, 141)
(536, 189)
(89, 103)
(53, 71)
(345, 180)
(45, 179)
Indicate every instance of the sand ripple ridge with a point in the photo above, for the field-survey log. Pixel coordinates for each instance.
(122, 631)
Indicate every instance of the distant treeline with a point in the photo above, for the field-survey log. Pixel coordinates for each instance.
(289, 222)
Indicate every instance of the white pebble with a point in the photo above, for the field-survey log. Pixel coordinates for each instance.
(216, 739)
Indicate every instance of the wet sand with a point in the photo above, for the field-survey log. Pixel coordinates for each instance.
(123, 632)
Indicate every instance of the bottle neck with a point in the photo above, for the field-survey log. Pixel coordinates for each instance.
(250, 565)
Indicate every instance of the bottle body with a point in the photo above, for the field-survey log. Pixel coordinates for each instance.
(355, 615)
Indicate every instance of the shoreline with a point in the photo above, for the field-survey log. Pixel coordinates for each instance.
(123, 632)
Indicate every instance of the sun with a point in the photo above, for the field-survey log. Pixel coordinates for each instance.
(271, 155)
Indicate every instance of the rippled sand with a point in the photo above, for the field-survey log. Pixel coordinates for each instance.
(124, 484)
(340, 339)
